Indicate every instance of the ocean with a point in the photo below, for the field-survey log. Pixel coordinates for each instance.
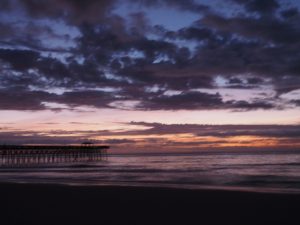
(259, 172)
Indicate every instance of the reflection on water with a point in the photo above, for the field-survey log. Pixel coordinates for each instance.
(251, 171)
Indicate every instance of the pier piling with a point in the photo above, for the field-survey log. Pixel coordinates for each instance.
(14, 155)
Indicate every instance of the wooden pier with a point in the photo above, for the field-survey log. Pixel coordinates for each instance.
(22, 155)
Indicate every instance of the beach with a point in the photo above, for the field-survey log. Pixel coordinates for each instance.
(86, 205)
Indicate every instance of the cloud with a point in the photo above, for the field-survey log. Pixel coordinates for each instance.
(19, 59)
(296, 102)
(15, 137)
(23, 100)
(130, 57)
(266, 29)
(260, 6)
(73, 11)
(256, 104)
(277, 131)
(189, 5)
(91, 11)
(97, 99)
(188, 101)
(18, 99)
(118, 141)
(168, 137)
(291, 13)
(194, 100)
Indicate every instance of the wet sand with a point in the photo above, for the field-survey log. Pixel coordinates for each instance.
(44, 204)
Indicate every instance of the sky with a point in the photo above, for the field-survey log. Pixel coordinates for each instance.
(151, 75)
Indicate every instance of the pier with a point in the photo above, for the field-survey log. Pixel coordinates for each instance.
(22, 155)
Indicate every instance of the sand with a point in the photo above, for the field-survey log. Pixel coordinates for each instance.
(44, 204)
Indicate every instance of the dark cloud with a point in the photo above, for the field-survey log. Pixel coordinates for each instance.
(296, 102)
(286, 84)
(97, 99)
(189, 5)
(19, 59)
(291, 13)
(266, 29)
(118, 141)
(210, 135)
(5, 5)
(24, 99)
(235, 80)
(284, 131)
(6, 31)
(156, 137)
(19, 137)
(14, 99)
(140, 62)
(255, 80)
(90, 11)
(260, 6)
(259, 131)
(188, 100)
(193, 33)
(244, 105)
(18, 99)
(74, 11)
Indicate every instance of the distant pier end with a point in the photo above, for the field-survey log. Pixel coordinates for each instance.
(15, 155)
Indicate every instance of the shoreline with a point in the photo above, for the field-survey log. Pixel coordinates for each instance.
(158, 185)
(78, 204)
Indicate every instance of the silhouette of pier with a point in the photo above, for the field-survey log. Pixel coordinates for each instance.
(19, 155)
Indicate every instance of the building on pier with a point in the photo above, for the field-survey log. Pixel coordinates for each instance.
(15, 155)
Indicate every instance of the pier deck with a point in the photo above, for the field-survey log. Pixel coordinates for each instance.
(15, 155)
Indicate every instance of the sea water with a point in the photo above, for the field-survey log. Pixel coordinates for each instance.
(268, 172)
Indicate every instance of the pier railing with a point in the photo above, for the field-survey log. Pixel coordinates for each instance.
(13, 155)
